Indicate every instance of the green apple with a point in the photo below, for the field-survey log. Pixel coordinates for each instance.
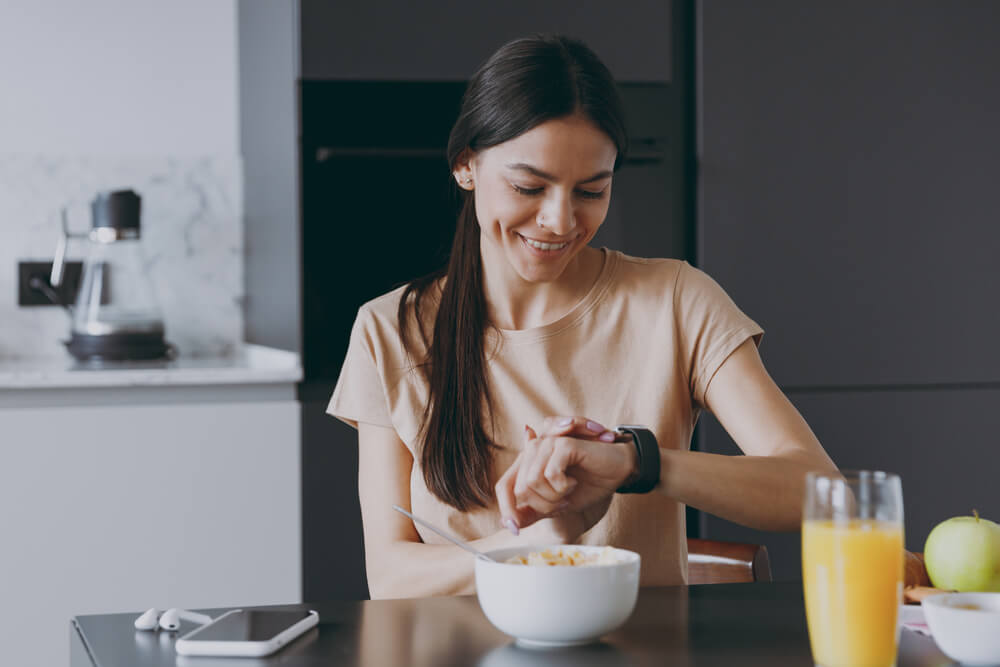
(963, 554)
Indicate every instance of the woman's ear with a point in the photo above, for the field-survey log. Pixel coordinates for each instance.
(463, 170)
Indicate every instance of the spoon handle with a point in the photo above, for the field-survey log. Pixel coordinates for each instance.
(450, 538)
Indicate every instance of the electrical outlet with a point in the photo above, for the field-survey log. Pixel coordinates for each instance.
(29, 296)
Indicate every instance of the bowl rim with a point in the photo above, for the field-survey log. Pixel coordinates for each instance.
(946, 601)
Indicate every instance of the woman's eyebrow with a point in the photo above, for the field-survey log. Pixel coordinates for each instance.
(521, 166)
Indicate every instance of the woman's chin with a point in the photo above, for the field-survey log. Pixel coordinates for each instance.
(540, 272)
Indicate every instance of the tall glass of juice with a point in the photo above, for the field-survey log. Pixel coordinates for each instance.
(852, 567)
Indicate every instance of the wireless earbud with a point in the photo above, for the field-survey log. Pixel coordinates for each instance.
(169, 620)
(149, 620)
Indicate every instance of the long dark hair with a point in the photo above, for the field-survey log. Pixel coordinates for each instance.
(525, 83)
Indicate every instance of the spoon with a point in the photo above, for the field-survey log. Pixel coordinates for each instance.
(445, 535)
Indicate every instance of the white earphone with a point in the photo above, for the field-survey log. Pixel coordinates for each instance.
(170, 620)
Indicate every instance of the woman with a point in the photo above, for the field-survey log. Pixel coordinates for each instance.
(531, 341)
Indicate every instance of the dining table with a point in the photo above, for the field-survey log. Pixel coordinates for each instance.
(747, 624)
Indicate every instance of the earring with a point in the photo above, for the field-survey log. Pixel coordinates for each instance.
(468, 181)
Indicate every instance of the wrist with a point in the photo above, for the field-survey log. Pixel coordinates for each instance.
(647, 457)
(631, 457)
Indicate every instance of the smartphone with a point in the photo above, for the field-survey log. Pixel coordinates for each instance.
(247, 632)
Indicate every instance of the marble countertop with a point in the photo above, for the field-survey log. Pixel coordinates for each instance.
(251, 364)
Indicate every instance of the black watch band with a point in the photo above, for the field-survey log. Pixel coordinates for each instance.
(647, 451)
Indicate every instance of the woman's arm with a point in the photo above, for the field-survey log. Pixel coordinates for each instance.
(398, 564)
(765, 488)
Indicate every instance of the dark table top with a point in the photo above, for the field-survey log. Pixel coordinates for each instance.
(720, 624)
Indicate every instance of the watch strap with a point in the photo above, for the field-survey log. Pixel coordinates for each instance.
(647, 452)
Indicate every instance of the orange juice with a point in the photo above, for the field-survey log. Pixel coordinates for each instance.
(852, 572)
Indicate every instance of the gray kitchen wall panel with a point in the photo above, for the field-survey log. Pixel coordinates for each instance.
(848, 168)
(941, 442)
(268, 69)
(448, 39)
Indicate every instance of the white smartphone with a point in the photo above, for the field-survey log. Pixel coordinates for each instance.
(247, 632)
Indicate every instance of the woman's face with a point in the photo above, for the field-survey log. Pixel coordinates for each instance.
(541, 196)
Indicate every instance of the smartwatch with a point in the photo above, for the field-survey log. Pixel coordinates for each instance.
(647, 452)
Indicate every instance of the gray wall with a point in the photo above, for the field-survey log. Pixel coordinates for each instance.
(268, 46)
(848, 204)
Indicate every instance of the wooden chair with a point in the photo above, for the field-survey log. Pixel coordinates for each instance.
(713, 562)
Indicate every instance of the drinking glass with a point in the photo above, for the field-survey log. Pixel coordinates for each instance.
(852, 567)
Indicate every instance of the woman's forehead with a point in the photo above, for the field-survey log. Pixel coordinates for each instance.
(572, 144)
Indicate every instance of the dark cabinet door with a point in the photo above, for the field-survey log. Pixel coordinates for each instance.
(849, 198)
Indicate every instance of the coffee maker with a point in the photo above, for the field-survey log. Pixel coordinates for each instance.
(115, 316)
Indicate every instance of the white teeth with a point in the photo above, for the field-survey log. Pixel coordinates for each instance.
(545, 246)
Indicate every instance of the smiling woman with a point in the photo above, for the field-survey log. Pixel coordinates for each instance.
(462, 383)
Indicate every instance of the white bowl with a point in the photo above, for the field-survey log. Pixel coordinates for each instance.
(969, 635)
(557, 605)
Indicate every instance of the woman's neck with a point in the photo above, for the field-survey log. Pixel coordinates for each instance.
(515, 303)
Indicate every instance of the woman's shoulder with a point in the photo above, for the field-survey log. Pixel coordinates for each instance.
(665, 280)
(660, 272)
(643, 274)
(381, 314)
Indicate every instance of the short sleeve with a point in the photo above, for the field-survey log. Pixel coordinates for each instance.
(709, 327)
(360, 394)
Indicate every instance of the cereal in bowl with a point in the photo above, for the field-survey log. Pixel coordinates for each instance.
(573, 557)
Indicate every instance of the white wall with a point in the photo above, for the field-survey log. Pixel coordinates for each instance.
(108, 94)
(118, 77)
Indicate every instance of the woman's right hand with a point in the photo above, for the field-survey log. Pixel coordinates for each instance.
(568, 473)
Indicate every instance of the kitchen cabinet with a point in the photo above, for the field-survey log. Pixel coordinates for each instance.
(447, 39)
(155, 495)
(848, 186)
(848, 205)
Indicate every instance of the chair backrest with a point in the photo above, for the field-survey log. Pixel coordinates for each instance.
(714, 562)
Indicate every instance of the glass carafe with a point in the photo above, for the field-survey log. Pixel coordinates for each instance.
(116, 316)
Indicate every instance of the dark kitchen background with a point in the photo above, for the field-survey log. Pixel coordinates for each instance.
(831, 164)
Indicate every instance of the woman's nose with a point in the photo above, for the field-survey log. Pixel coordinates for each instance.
(557, 216)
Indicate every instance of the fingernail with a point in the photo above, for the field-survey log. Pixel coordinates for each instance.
(595, 427)
(565, 421)
(562, 506)
(607, 436)
(510, 525)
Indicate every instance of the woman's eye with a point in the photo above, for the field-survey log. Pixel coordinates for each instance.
(590, 194)
(527, 191)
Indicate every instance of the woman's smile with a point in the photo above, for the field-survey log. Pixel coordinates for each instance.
(546, 249)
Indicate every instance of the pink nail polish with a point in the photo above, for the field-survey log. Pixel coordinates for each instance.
(607, 436)
(510, 525)
(595, 427)
(565, 421)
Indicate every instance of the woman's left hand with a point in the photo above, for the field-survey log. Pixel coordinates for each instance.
(573, 467)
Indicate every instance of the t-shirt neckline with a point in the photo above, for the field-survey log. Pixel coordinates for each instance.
(576, 313)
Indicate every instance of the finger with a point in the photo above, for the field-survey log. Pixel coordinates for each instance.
(564, 454)
(577, 426)
(506, 500)
(530, 500)
(533, 457)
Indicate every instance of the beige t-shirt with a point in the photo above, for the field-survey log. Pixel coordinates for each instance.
(640, 348)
